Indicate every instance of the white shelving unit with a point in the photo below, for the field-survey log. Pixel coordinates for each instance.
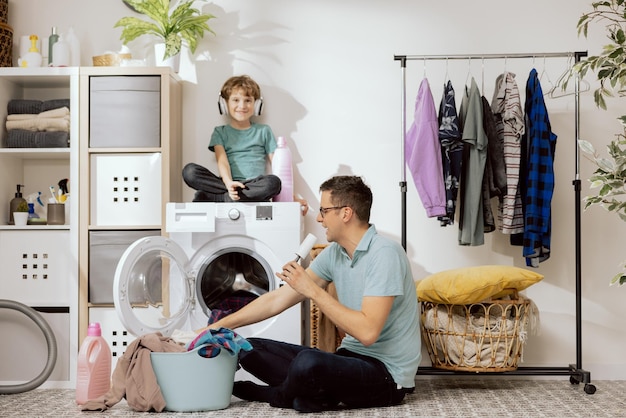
(40, 267)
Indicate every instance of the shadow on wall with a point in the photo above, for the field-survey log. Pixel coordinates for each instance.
(215, 61)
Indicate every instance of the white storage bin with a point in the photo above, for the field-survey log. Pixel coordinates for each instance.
(36, 267)
(126, 189)
(125, 111)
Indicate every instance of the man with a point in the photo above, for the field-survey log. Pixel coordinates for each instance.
(376, 308)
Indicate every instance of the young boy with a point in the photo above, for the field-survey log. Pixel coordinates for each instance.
(241, 149)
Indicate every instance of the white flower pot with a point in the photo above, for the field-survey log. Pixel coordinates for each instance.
(172, 62)
(20, 218)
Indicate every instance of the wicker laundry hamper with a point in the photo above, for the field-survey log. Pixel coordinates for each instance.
(480, 337)
(6, 45)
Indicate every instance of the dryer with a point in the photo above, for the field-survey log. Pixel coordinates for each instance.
(217, 257)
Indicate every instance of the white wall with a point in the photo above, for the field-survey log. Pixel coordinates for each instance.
(332, 87)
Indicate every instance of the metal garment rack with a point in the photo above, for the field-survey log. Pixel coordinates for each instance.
(575, 371)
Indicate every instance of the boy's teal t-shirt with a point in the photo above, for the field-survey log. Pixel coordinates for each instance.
(246, 149)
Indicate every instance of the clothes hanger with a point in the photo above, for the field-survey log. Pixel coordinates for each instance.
(551, 84)
(557, 92)
(482, 76)
(469, 70)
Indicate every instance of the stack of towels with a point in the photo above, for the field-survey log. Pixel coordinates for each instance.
(38, 124)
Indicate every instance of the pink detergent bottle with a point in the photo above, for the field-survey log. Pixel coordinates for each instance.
(94, 366)
(281, 167)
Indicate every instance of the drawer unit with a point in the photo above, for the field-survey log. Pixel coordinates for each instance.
(125, 111)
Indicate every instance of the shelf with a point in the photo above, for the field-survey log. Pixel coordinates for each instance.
(34, 227)
(36, 153)
(130, 150)
(42, 77)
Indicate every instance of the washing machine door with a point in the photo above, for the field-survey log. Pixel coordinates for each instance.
(152, 291)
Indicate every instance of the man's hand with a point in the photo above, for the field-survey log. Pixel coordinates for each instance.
(297, 278)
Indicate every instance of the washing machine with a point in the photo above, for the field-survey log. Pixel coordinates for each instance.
(217, 257)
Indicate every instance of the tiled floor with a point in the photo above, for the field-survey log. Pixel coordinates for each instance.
(434, 397)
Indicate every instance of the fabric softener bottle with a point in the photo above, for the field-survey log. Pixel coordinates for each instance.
(94, 366)
(281, 167)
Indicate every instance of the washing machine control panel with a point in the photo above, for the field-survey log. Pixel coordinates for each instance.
(264, 212)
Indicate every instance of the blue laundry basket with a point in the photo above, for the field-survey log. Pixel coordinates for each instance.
(190, 382)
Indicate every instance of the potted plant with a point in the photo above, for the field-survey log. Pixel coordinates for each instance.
(610, 68)
(172, 25)
(20, 216)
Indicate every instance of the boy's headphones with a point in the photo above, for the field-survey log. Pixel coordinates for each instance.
(223, 107)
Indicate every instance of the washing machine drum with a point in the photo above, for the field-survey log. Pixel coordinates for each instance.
(157, 288)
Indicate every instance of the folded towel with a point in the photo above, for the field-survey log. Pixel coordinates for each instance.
(17, 106)
(24, 106)
(62, 112)
(18, 138)
(40, 124)
(54, 104)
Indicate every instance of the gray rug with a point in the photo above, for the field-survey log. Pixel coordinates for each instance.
(490, 396)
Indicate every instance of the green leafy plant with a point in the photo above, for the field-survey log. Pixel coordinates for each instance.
(22, 207)
(173, 25)
(610, 68)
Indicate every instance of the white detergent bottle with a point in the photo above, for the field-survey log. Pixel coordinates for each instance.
(281, 167)
(61, 53)
(94, 366)
(74, 44)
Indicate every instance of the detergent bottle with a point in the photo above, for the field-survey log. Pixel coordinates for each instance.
(281, 167)
(94, 366)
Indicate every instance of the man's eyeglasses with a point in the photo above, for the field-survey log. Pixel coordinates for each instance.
(324, 210)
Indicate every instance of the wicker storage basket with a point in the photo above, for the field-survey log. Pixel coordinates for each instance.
(481, 337)
(109, 60)
(6, 45)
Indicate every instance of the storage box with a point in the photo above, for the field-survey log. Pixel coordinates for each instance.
(36, 268)
(126, 189)
(125, 111)
(190, 382)
(105, 250)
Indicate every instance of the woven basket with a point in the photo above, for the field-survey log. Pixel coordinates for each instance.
(6, 45)
(4, 11)
(320, 324)
(109, 60)
(481, 337)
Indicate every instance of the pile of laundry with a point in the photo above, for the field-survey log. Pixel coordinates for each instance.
(38, 123)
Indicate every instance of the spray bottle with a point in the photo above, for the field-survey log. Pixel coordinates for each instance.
(34, 199)
(15, 202)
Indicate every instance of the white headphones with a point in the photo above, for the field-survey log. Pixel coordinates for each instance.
(223, 107)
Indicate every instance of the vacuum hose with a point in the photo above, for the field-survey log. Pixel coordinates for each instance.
(50, 340)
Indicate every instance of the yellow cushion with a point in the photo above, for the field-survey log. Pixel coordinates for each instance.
(474, 284)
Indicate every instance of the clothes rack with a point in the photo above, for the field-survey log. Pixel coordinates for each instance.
(575, 371)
